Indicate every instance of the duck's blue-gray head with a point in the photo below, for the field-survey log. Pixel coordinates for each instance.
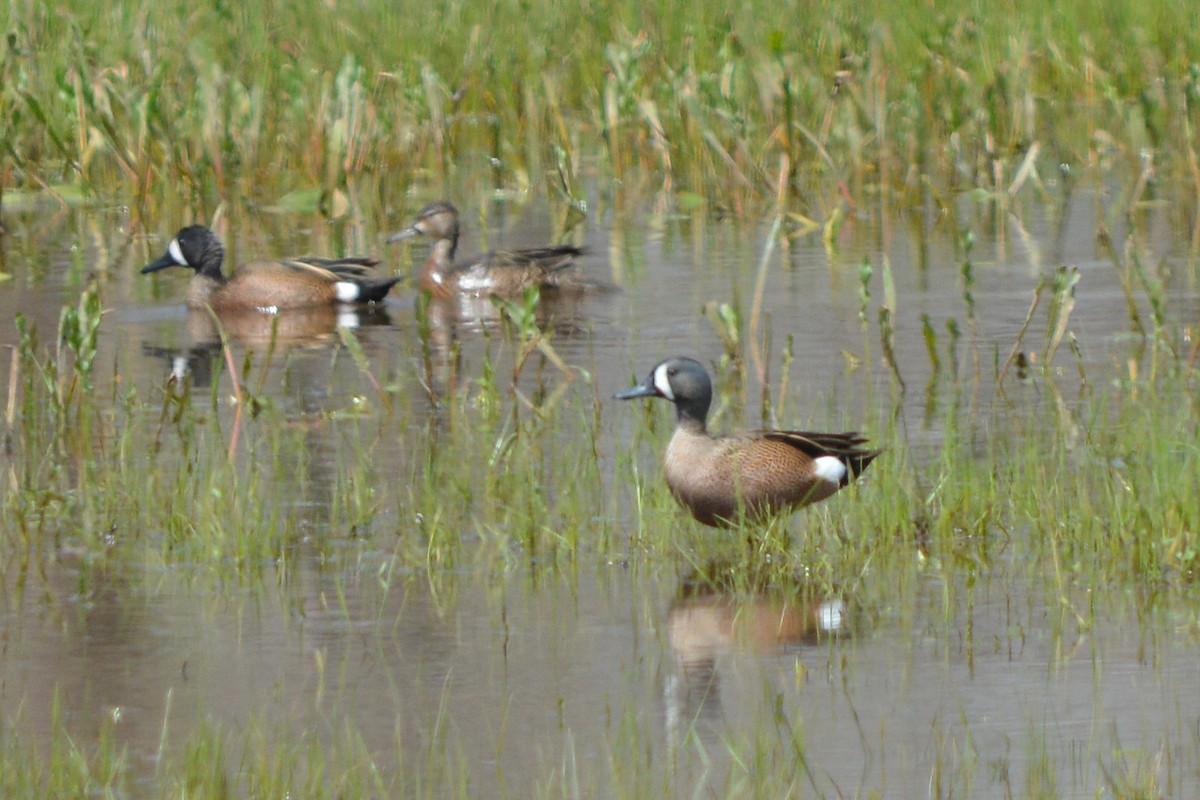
(683, 381)
(194, 246)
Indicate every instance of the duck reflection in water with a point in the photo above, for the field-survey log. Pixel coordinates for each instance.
(708, 624)
(549, 319)
(313, 327)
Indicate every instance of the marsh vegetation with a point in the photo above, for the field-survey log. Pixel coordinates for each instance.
(417, 551)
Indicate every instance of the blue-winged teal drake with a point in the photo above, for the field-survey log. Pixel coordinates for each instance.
(268, 285)
(500, 272)
(761, 473)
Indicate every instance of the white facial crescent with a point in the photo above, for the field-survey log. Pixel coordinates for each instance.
(662, 382)
(176, 254)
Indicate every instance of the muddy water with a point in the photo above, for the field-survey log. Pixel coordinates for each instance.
(525, 683)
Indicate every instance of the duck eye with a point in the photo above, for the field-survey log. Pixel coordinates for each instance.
(671, 371)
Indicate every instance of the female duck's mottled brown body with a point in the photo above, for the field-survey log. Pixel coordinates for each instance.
(755, 474)
(500, 272)
(268, 285)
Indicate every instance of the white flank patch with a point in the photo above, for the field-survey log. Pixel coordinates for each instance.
(269, 309)
(179, 368)
(347, 291)
(347, 319)
(468, 283)
(662, 382)
(176, 254)
(830, 468)
(831, 615)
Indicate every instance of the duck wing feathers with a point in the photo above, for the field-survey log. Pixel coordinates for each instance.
(546, 259)
(334, 269)
(845, 446)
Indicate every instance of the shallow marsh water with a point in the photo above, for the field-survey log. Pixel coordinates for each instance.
(510, 668)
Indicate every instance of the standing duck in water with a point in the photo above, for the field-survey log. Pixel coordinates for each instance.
(722, 479)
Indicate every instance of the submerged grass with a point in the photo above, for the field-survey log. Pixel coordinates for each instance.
(63, 767)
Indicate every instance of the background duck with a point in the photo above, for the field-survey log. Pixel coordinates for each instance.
(720, 478)
(268, 285)
(499, 272)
